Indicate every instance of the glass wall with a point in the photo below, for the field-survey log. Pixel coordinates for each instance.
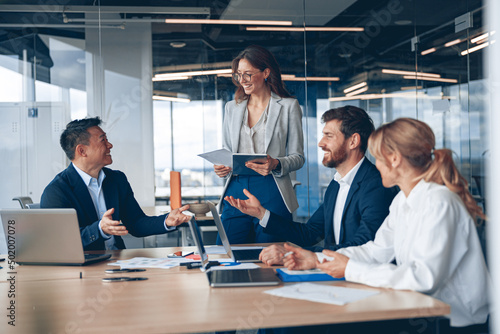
(159, 76)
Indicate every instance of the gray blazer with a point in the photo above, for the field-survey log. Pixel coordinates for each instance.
(284, 140)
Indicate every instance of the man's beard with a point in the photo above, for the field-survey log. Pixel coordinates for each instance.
(336, 158)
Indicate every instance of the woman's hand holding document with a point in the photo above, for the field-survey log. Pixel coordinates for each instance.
(224, 161)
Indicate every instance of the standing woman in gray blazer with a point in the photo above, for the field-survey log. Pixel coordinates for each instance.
(263, 118)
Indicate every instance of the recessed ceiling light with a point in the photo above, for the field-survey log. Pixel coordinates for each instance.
(177, 45)
(402, 22)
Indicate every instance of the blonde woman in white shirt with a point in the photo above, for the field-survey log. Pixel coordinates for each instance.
(430, 231)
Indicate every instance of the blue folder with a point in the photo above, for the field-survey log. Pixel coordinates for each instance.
(308, 276)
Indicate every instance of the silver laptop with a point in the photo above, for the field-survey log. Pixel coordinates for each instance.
(239, 255)
(231, 277)
(46, 236)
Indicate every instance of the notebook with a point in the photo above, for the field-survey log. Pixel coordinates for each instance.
(232, 277)
(240, 255)
(45, 236)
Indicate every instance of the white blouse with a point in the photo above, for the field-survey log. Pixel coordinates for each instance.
(252, 139)
(434, 241)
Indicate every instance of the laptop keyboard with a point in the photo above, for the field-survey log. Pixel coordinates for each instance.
(247, 254)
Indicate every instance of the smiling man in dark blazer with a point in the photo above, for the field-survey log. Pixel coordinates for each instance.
(102, 197)
(356, 203)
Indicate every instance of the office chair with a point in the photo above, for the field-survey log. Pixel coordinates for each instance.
(33, 206)
(24, 201)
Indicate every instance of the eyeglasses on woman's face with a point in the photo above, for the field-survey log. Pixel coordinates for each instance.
(245, 76)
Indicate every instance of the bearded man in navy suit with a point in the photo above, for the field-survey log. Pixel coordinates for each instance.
(356, 203)
(102, 197)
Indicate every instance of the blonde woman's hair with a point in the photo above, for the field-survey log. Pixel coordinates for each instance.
(415, 141)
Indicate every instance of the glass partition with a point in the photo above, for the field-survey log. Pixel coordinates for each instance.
(159, 76)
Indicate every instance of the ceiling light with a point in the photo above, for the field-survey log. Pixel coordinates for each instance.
(426, 52)
(478, 47)
(479, 38)
(407, 95)
(432, 75)
(300, 29)
(294, 78)
(169, 98)
(356, 92)
(356, 86)
(177, 45)
(456, 41)
(212, 21)
(171, 78)
(410, 88)
(168, 76)
(419, 77)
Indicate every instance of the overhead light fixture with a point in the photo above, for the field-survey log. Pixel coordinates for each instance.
(456, 41)
(479, 38)
(354, 87)
(170, 98)
(410, 88)
(294, 78)
(419, 77)
(474, 49)
(169, 76)
(177, 45)
(356, 92)
(406, 95)
(241, 22)
(426, 52)
(389, 71)
(300, 29)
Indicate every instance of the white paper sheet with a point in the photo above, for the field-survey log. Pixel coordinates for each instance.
(219, 157)
(234, 265)
(322, 293)
(146, 262)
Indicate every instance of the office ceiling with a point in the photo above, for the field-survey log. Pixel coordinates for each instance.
(352, 56)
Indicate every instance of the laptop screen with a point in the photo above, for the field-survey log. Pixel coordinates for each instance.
(222, 232)
(195, 231)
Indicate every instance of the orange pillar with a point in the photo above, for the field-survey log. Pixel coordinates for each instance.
(175, 190)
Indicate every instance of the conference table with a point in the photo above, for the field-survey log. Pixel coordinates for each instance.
(74, 299)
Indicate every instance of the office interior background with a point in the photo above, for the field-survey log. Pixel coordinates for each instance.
(158, 73)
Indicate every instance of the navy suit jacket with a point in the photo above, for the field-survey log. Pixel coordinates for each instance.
(68, 190)
(365, 209)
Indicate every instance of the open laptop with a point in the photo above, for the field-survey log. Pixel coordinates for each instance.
(231, 277)
(46, 236)
(239, 255)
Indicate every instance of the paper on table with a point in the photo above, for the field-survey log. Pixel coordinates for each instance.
(145, 262)
(322, 293)
(234, 265)
(219, 157)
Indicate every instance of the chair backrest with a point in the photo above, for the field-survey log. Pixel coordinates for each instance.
(24, 201)
(33, 206)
